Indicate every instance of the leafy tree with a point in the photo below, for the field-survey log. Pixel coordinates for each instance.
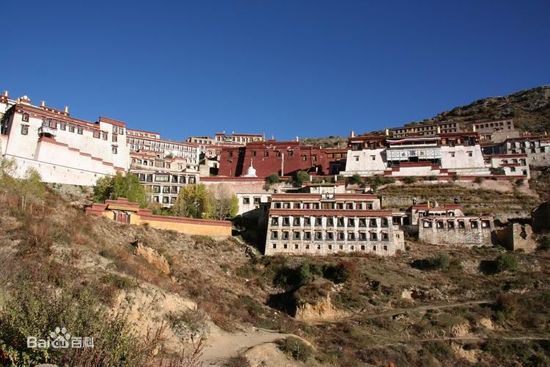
(300, 177)
(355, 180)
(120, 186)
(31, 188)
(224, 205)
(272, 179)
(409, 179)
(193, 201)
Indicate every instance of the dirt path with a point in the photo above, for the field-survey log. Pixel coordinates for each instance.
(224, 345)
(400, 311)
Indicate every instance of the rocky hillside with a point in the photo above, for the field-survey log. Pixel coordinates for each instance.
(159, 298)
(529, 108)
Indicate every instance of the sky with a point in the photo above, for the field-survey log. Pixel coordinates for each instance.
(286, 68)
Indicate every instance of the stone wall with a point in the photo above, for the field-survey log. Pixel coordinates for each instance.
(449, 231)
(517, 236)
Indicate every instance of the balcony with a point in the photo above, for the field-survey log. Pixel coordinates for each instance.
(46, 131)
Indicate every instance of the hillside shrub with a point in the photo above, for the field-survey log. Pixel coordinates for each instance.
(295, 348)
(479, 180)
(237, 361)
(506, 262)
(339, 273)
(544, 243)
(519, 182)
(409, 179)
(189, 325)
(38, 311)
(439, 262)
(293, 278)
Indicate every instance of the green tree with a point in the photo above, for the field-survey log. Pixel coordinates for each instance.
(194, 201)
(355, 180)
(224, 205)
(120, 186)
(31, 188)
(272, 179)
(300, 177)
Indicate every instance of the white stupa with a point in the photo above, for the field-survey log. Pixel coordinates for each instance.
(251, 171)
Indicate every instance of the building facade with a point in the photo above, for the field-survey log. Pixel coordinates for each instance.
(456, 230)
(144, 141)
(283, 158)
(317, 224)
(61, 148)
(442, 155)
(162, 177)
(124, 211)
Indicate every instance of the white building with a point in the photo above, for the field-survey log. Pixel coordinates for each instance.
(145, 141)
(61, 148)
(442, 155)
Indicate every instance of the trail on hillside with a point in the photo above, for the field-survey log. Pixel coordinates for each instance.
(399, 311)
(221, 346)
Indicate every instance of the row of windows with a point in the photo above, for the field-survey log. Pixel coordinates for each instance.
(461, 224)
(63, 126)
(165, 189)
(151, 163)
(493, 124)
(330, 222)
(330, 236)
(157, 144)
(329, 205)
(150, 177)
(179, 153)
(165, 199)
(246, 201)
(319, 246)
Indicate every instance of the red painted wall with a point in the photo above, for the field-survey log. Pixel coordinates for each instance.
(267, 158)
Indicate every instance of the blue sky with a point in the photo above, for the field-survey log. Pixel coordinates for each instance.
(286, 68)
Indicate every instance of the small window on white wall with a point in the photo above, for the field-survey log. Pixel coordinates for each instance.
(25, 117)
(24, 129)
(115, 149)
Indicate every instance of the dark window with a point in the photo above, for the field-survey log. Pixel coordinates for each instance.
(96, 134)
(79, 130)
(246, 200)
(62, 126)
(71, 128)
(24, 129)
(25, 117)
(115, 149)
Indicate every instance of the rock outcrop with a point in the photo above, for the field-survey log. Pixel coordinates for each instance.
(152, 256)
(314, 304)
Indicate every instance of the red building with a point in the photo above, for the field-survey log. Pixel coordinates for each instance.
(281, 157)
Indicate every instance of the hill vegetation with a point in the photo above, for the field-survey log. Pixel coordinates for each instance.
(529, 108)
(161, 298)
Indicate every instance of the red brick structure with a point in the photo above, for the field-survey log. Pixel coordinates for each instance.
(284, 158)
